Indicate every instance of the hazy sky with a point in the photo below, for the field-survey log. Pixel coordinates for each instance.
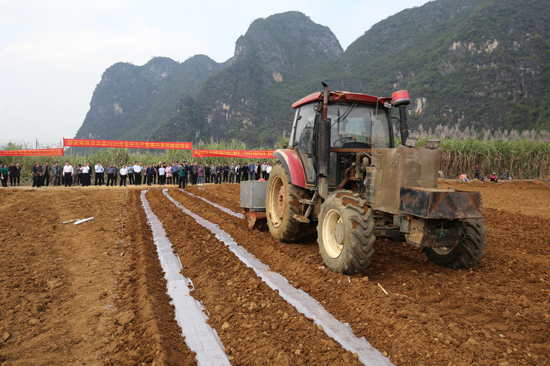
(52, 53)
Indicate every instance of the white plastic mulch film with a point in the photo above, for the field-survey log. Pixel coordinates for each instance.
(305, 304)
(190, 313)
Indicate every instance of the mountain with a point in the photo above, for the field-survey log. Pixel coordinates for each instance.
(131, 101)
(476, 63)
(253, 95)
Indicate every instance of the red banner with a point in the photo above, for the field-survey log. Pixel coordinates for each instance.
(252, 154)
(33, 152)
(128, 144)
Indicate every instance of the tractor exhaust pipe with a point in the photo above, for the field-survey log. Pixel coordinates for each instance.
(323, 147)
(401, 99)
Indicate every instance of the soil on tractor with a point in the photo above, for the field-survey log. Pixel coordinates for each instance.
(88, 294)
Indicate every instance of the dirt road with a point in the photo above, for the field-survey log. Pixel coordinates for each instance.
(86, 294)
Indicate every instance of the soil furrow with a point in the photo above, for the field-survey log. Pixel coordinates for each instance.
(255, 324)
(432, 315)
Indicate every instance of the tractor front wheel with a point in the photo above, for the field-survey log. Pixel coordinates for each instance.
(345, 233)
(467, 253)
(282, 202)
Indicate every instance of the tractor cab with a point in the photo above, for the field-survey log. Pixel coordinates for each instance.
(359, 123)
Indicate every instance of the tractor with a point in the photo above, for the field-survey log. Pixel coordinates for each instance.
(343, 174)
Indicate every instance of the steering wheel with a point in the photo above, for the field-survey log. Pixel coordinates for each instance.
(343, 139)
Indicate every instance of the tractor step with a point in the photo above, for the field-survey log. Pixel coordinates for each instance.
(301, 219)
(310, 203)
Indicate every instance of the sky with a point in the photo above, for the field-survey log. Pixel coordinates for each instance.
(53, 53)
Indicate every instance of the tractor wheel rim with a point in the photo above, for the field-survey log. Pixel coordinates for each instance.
(275, 213)
(442, 250)
(333, 233)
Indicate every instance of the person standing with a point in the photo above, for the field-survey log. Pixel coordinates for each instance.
(174, 172)
(232, 172)
(18, 174)
(251, 170)
(157, 175)
(110, 175)
(268, 171)
(130, 173)
(4, 172)
(123, 175)
(137, 174)
(182, 174)
(206, 173)
(195, 171)
(37, 175)
(46, 171)
(258, 172)
(99, 174)
(169, 175)
(56, 174)
(13, 171)
(150, 173)
(476, 172)
(162, 175)
(116, 173)
(244, 169)
(200, 173)
(68, 172)
(264, 168)
(86, 175)
(238, 173)
(225, 173)
(219, 173)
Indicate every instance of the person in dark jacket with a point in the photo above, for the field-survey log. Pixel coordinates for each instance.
(182, 174)
(219, 172)
(206, 174)
(12, 172)
(244, 169)
(150, 173)
(258, 172)
(226, 170)
(195, 171)
(46, 171)
(36, 175)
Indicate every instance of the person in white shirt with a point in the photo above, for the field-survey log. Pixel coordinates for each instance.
(162, 174)
(123, 175)
(268, 171)
(68, 174)
(86, 175)
(137, 174)
(99, 175)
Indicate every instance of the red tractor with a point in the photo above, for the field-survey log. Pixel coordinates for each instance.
(342, 173)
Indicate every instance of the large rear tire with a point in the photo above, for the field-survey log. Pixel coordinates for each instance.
(282, 201)
(467, 253)
(345, 233)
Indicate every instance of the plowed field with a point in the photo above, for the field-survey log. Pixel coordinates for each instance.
(91, 294)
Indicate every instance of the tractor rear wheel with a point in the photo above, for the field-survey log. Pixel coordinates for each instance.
(282, 202)
(345, 233)
(467, 253)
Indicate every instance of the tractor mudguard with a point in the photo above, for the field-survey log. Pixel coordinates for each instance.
(293, 166)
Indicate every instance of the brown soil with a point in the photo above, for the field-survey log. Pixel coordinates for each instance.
(73, 295)
(496, 313)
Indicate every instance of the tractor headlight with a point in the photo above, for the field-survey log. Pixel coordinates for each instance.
(432, 144)
(411, 141)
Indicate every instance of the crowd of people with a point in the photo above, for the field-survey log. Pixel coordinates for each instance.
(481, 177)
(137, 174)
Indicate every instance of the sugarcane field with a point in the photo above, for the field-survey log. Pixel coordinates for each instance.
(98, 293)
